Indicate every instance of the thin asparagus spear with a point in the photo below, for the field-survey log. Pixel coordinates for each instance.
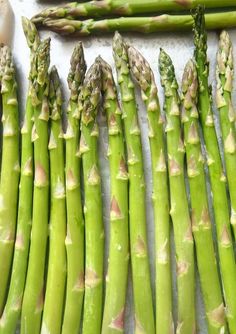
(113, 317)
(103, 8)
(145, 78)
(94, 230)
(145, 25)
(179, 203)
(217, 179)
(56, 277)
(34, 288)
(75, 221)
(10, 169)
(143, 304)
(224, 75)
(12, 308)
(201, 223)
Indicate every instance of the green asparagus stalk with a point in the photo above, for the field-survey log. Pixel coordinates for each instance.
(34, 288)
(75, 221)
(56, 276)
(113, 317)
(201, 223)
(94, 230)
(146, 25)
(12, 308)
(224, 75)
(103, 8)
(143, 304)
(145, 78)
(217, 178)
(179, 203)
(10, 169)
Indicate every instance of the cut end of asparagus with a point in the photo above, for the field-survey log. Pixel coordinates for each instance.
(90, 94)
(140, 68)
(167, 72)
(31, 34)
(77, 71)
(55, 94)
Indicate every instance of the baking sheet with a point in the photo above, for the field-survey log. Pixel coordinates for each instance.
(178, 45)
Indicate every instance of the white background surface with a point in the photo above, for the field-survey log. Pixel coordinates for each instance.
(179, 46)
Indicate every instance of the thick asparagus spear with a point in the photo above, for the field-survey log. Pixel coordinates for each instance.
(56, 277)
(12, 308)
(201, 223)
(94, 230)
(146, 25)
(179, 203)
(34, 288)
(103, 8)
(217, 179)
(145, 78)
(113, 317)
(10, 169)
(75, 221)
(143, 304)
(224, 75)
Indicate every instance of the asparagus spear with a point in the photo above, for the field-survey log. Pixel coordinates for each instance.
(34, 288)
(103, 8)
(146, 25)
(75, 221)
(179, 204)
(94, 231)
(56, 277)
(10, 169)
(12, 308)
(143, 304)
(113, 317)
(201, 224)
(224, 74)
(217, 179)
(145, 78)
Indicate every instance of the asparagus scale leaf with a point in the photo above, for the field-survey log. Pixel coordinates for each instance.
(217, 178)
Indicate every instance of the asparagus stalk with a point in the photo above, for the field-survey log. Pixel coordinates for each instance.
(103, 8)
(75, 221)
(10, 169)
(113, 317)
(94, 231)
(217, 179)
(224, 75)
(179, 203)
(201, 224)
(146, 25)
(34, 288)
(56, 277)
(145, 78)
(12, 308)
(143, 304)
